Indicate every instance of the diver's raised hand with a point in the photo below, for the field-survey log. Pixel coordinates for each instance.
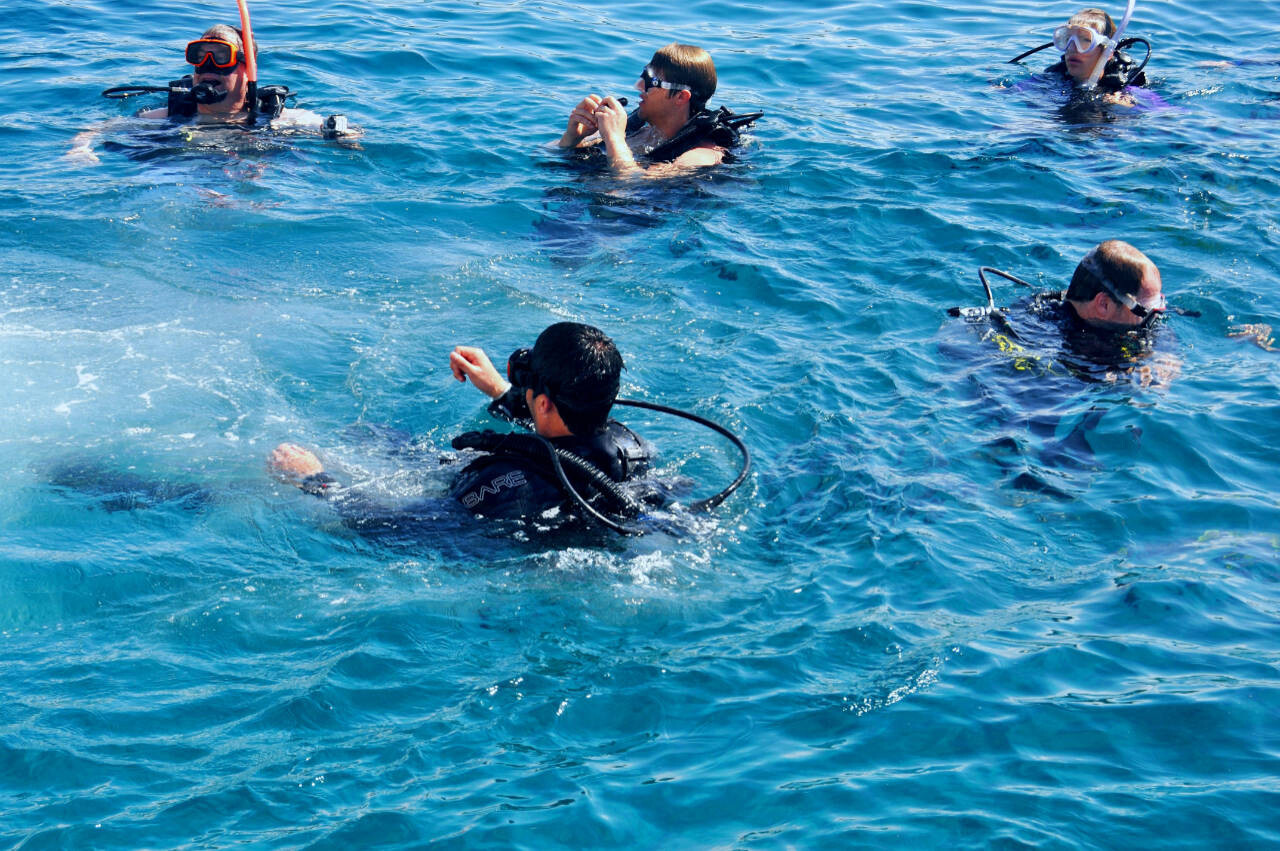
(471, 362)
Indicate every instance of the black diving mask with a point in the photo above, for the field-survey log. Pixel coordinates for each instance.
(520, 369)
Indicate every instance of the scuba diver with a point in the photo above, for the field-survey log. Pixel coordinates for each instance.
(1100, 327)
(571, 467)
(1103, 329)
(218, 90)
(1093, 63)
(222, 89)
(672, 125)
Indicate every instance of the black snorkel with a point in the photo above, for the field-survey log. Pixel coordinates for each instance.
(208, 92)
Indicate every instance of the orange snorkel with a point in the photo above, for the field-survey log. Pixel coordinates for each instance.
(250, 61)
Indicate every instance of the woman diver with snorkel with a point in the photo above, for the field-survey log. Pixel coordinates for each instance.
(1093, 61)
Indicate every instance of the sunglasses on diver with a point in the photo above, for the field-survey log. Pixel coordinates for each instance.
(1083, 38)
(1147, 313)
(652, 82)
(221, 54)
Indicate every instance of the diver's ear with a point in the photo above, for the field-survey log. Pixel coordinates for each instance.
(542, 405)
(1102, 304)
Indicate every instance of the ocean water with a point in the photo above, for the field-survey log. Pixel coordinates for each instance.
(968, 597)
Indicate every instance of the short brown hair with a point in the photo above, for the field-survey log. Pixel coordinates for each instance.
(690, 66)
(1124, 266)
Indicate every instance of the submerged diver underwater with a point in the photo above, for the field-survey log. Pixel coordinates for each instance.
(1103, 330)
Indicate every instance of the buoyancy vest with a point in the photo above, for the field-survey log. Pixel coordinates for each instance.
(183, 105)
(719, 128)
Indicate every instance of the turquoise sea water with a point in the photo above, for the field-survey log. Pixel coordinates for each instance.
(966, 598)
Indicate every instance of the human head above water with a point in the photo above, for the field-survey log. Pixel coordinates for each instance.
(1115, 265)
(690, 66)
(221, 91)
(1081, 64)
(580, 369)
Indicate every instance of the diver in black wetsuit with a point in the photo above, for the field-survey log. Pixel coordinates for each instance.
(1082, 42)
(671, 125)
(1107, 312)
(1086, 41)
(1100, 328)
(566, 386)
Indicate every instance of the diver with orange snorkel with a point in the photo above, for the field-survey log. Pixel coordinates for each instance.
(219, 89)
(223, 89)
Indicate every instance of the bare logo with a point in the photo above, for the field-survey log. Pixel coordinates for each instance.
(514, 479)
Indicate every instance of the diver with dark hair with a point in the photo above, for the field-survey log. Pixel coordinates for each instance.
(222, 89)
(672, 125)
(576, 464)
(1115, 287)
(564, 387)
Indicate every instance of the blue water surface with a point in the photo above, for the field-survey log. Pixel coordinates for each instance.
(968, 597)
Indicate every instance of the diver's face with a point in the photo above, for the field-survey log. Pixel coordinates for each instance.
(235, 80)
(655, 101)
(1080, 63)
(1150, 295)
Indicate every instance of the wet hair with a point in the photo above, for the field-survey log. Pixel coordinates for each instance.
(580, 369)
(690, 66)
(1094, 19)
(226, 32)
(1123, 265)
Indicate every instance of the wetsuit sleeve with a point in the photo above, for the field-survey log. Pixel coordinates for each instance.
(511, 407)
(318, 483)
(375, 514)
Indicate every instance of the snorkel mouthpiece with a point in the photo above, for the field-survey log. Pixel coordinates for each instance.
(207, 93)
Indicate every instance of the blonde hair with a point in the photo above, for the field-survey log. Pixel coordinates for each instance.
(1095, 19)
